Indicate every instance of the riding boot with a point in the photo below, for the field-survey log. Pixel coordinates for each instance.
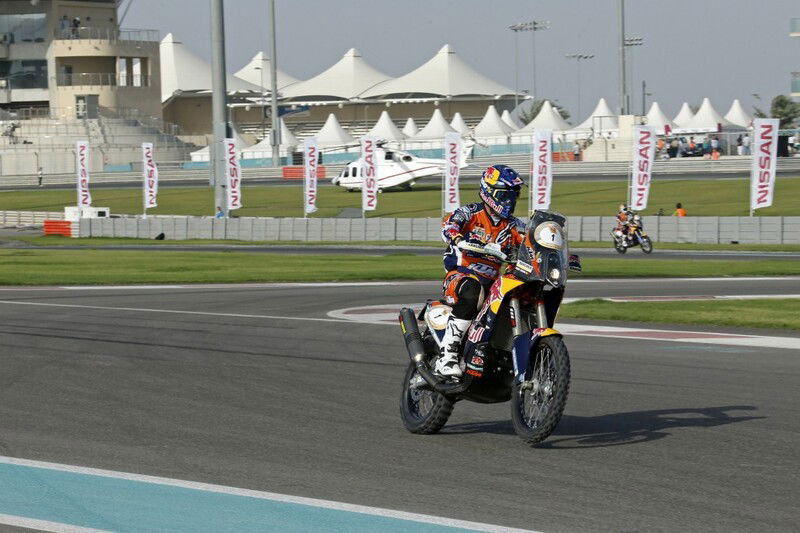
(447, 364)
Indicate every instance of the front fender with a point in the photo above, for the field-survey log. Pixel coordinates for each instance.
(523, 347)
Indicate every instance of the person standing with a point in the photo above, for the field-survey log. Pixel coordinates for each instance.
(679, 210)
(40, 175)
(739, 146)
(576, 151)
(64, 26)
(746, 143)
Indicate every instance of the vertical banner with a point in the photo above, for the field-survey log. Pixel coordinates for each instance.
(644, 151)
(150, 176)
(310, 161)
(452, 169)
(541, 170)
(82, 172)
(762, 173)
(233, 174)
(369, 174)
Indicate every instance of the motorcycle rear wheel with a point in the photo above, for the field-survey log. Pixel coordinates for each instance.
(647, 245)
(538, 402)
(423, 410)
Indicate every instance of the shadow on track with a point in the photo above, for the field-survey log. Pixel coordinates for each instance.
(634, 427)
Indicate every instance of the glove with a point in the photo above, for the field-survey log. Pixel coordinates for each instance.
(494, 249)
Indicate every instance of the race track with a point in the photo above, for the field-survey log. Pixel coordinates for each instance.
(258, 387)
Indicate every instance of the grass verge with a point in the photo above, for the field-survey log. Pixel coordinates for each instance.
(771, 313)
(103, 267)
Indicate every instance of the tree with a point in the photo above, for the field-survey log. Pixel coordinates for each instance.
(527, 116)
(782, 108)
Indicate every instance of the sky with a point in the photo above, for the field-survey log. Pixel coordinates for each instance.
(722, 49)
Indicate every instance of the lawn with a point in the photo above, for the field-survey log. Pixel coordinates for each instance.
(767, 313)
(699, 197)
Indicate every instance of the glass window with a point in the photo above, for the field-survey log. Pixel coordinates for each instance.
(25, 73)
(346, 173)
(23, 28)
(355, 171)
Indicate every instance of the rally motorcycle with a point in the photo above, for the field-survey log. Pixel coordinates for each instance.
(635, 236)
(510, 352)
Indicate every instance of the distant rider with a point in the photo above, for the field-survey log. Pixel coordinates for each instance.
(490, 224)
(624, 218)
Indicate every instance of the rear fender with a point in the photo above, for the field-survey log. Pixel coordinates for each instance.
(524, 346)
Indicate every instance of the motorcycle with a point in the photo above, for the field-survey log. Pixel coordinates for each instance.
(635, 236)
(511, 351)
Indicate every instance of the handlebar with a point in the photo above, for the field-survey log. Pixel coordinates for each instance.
(464, 245)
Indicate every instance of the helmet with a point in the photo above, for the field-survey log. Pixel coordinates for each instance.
(500, 186)
(623, 207)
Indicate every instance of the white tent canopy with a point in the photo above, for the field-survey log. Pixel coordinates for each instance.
(347, 78)
(738, 116)
(602, 119)
(386, 129)
(684, 115)
(658, 120)
(264, 148)
(435, 129)
(459, 125)
(257, 72)
(506, 117)
(445, 74)
(706, 119)
(491, 125)
(204, 154)
(548, 118)
(332, 133)
(410, 129)
(182, 71)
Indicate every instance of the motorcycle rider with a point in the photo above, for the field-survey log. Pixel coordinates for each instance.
(624, 218)
(490, 224)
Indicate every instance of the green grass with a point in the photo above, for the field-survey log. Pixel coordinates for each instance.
(767, 313)
(699, 197)
(66, 267)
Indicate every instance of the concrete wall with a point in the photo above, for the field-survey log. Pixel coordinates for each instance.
(745, 230)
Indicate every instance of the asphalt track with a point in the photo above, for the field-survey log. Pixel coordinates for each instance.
(257, 387)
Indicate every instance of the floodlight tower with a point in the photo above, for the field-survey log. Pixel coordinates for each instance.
(629, 42)
(578, 57)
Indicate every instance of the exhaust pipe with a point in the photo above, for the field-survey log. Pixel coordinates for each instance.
(416, 351)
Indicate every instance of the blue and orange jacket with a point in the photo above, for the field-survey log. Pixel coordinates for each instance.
(472, 223)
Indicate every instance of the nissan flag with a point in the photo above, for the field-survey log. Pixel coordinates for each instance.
(233, 174)
(644, 151)
(369, 174)
(310, 160)
(150, 176)
(541, 170)
(452, 155)
(762, 173)
(82, 171)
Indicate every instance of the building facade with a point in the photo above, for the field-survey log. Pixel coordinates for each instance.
(70, 59)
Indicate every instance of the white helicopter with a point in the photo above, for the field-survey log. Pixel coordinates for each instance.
(396, 168)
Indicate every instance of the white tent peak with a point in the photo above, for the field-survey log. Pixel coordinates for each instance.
(332, 133)
(507, 118)
(410, 129)
(459, 125)
(386, 129)
(345, 79)
(684, 115)
(263, 149)
(435, 129)
(548, 118)
(738, 116)
(706, 118)
(252, 73)
(658, 120)
(204, 153)
(491, 125)
(607, 122)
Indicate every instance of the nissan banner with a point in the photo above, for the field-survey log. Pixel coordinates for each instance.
(82, 171)
(541, 170)
(150, 175)
(311, 161)
(233, 174)
(644, 151)
(762, 173)
(369, 175)
(452, 168)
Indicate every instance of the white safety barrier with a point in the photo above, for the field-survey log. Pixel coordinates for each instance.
(28, 218)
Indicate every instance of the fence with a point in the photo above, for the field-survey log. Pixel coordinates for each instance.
(28, 218)
(745, 230)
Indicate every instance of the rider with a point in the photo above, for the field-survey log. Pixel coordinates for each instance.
(624, 218)
(489, 224)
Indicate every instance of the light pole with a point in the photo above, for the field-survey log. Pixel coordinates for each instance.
(578, 57)
(275, 139)
(621, 29)
(631, 41)
(263, 99)
(532, 26)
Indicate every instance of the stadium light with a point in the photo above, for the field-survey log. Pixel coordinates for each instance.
(532, 26)
(630, 42)
(578, 57)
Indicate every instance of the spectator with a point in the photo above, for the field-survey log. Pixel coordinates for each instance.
(64, 25)
(746, 143)
(673, 148)
(739, 147)
(679, 210)
(76, 24)
(714, 143)
(576, 151)
(681, 147)
(220, 213)
(40, 175)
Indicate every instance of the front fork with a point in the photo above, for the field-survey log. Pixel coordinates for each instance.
(524, 340)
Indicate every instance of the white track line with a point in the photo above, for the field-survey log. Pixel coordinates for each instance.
(44, 525)
(262, 495)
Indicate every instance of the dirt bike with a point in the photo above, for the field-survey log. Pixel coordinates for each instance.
(510, 351)
(635, 236)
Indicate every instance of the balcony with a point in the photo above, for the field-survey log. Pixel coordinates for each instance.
(102, 79)
(92, 33)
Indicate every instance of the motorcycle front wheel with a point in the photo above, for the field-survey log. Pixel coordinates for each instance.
(619, 247)
(647, 244)
(538, 402)
(422, 409)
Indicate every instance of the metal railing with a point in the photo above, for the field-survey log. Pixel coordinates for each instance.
(93, 33)
(102, 79)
